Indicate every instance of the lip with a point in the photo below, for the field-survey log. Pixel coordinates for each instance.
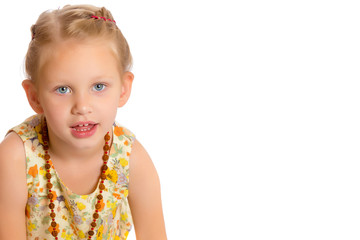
(83, 129)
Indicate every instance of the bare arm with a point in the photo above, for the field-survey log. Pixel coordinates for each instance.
(13, 189)
(145, 196)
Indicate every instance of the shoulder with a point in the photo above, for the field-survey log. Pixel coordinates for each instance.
(143, 175)
(145, 195)
(13, 182)
(13, 187)
(12, 146)
(13, 169)
(140, 162)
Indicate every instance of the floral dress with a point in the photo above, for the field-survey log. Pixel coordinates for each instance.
(74, 212)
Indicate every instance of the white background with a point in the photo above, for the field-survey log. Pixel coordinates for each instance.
(249, 110)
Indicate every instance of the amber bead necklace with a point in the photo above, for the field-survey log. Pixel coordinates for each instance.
(49, 185)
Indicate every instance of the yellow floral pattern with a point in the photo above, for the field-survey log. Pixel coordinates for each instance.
(74, 212)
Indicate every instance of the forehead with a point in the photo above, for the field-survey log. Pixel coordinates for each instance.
(74, 59)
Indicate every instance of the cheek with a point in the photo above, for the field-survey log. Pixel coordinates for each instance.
(49, 100)
(54, 112)
(54, 108)
(111, 100)
(110, 107)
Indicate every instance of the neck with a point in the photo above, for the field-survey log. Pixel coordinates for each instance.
(73, 154)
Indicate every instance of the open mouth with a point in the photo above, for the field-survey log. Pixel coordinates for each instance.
(83, 127)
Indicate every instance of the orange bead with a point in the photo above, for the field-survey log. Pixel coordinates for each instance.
(50, 196)
(107, 137)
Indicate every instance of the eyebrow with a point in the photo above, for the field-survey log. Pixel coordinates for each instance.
(64, 80)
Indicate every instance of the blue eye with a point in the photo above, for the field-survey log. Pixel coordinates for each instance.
(98, 87)
(63, 90)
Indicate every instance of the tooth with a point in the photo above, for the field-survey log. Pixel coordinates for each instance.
(80, 125)
(86, 124)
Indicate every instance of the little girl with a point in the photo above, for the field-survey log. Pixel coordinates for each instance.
(71, 172)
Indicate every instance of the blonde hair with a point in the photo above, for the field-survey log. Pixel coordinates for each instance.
(74, 22)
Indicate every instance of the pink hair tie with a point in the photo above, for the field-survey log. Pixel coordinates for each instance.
(96, 17)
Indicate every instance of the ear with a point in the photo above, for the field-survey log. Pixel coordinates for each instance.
(126, 85)
(32, 96)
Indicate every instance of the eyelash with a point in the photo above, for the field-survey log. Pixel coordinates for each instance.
(67, 89)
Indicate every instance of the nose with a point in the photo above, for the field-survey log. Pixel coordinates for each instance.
(81, 105)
